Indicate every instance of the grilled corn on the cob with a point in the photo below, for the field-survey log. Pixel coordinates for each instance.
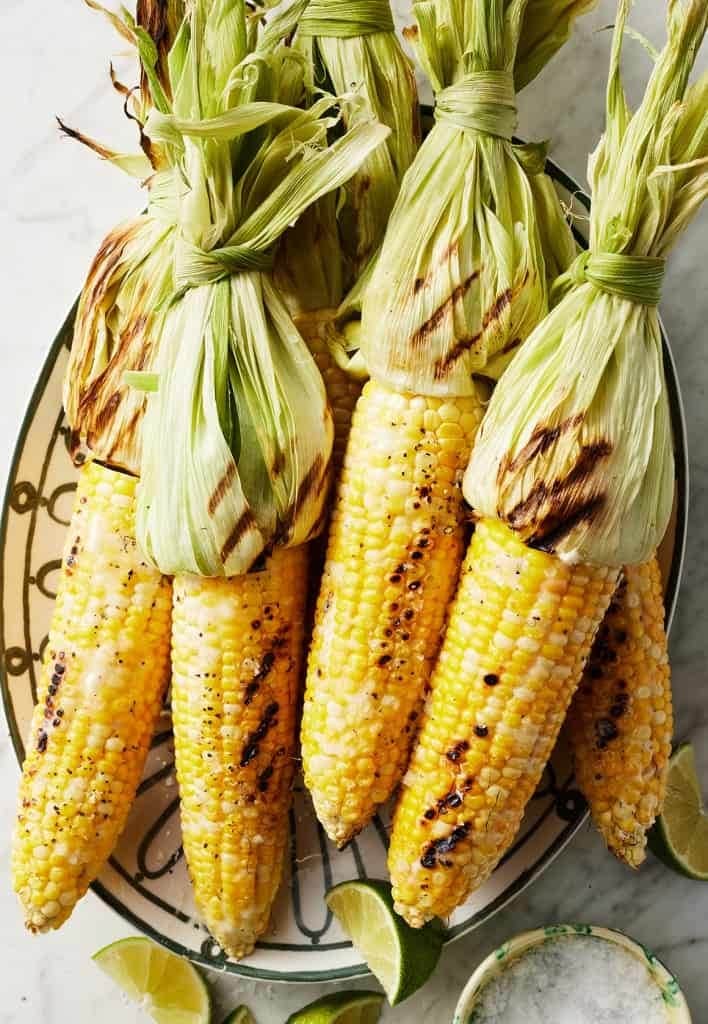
(237, 658)
(100, 693)
(620, 722)
(520, 631)
(395, 546)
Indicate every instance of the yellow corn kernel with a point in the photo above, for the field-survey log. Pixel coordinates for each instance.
(342, 388)
(100, 692)
(457, 815)
(237, 653)
(620, 722)
(395, 547)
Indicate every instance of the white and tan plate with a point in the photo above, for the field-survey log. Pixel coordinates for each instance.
(146, 880)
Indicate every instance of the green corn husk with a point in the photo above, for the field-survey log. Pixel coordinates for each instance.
(238, 435)
(462, 278)
(324, 261)
(353, 46)
(575, 452)
(130, 278)
(547, 26)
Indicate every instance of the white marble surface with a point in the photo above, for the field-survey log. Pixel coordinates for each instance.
(56, 203)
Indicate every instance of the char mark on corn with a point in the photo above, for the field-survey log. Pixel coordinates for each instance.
(620, 722)
(519, 633)
(100, 694)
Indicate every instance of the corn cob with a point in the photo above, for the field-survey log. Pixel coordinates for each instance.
(620, 722)
(237, 656)
(100, 692)
(395, 546)
(520, 631)
(343, 389)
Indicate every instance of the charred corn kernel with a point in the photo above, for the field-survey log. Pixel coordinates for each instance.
(494, 705)
(620, 722)
(99, 694)
(237, 653)
(342, 388)
(395, 546)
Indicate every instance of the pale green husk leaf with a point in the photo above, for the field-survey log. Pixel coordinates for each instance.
(324, 260)
(130, 280)
(575, 452)
(239, 429)
(547, 26)
(375, 68)
(128, 286)
(462, 278)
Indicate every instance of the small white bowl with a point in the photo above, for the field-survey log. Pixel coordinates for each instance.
(677, 1011)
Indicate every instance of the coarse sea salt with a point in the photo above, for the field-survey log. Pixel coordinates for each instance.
(572, 979)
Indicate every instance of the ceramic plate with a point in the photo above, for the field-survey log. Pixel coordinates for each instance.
(146, 880)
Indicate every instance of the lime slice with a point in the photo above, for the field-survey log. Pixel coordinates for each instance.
(342, 1008)
(241, 1015)
(401, 957)
(168, 987)
(680, 836)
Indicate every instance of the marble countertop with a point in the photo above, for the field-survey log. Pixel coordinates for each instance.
(56, 203)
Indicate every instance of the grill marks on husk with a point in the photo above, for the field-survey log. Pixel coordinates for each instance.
(540, 441)
(221, 489)
(443, 365)
(421, 335)
(312, 484)
(450, 250)
(99, 406)
(152, 15)
(550, 511)
(243, 524)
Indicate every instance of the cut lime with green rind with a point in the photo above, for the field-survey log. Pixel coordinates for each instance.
(170, 988)
(241, 1015)
(402, 958)
(680, 836)
(349, 1007)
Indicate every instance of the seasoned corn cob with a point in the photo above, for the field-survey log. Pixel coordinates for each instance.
(620, 722)
(100, 692)
(343, 389)
(520, 631)
(395, 546)
(237, 651)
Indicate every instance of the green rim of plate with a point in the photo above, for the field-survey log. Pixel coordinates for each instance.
(524, 878)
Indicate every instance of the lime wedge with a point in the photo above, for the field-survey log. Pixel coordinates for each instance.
(342, 1008)
(241, 1015)
(680, 836)
(169, 988)
(401, 957)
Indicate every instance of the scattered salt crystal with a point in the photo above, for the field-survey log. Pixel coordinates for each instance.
(572, 979)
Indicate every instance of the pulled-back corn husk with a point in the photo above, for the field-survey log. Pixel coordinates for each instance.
(238, 436)
(325, 259)
(130, 278)
(547, 26)
(353, 46)
(462, 278)
(129, 282)
(575, 452)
